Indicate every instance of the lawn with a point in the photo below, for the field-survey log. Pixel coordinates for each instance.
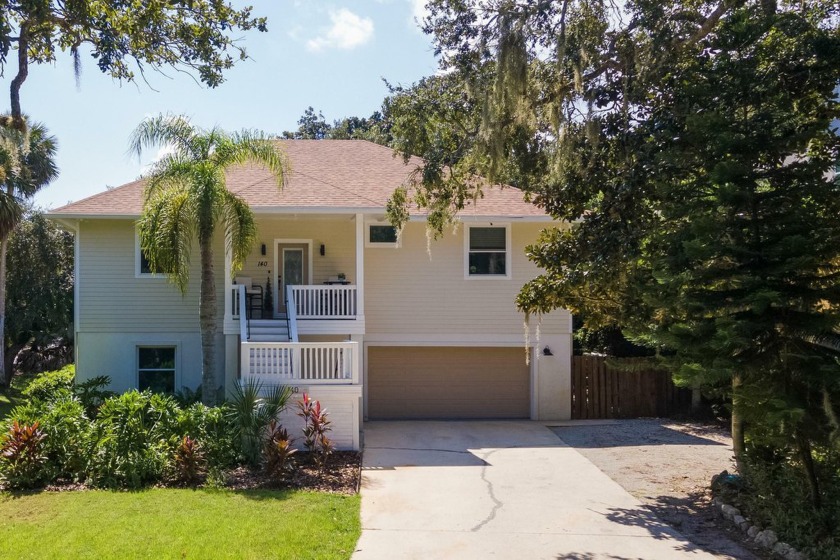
(169, 523)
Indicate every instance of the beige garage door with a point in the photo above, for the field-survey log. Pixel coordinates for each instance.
(447, 382)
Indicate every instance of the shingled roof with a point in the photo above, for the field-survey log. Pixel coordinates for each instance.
(326, 176)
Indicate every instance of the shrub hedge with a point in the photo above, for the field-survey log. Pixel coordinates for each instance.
(88, 435)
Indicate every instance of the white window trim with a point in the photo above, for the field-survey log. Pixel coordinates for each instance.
(138, 273)
(369, 244)
(158, 344)
(508, 261)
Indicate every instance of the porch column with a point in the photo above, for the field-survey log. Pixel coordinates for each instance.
(360, 267)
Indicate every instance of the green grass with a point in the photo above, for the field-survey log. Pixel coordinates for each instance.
(169, 523)
(10, 398)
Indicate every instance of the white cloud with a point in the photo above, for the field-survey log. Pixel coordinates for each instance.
(348, 31)
(418, 12)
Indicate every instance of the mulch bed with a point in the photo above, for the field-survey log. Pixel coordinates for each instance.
(342, 476)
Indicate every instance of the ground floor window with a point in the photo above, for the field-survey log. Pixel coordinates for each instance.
(156, 368)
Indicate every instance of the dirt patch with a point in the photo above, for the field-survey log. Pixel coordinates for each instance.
(668, 466)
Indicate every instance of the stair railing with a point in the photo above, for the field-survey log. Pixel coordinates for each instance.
(244, 322)
(291, 314)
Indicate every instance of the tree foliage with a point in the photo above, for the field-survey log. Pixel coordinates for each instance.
(187, 200)
(124, 36)
(313, 126)
(690, 144)
(40, 286)
(27, 165)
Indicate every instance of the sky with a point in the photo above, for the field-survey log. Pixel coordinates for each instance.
(332, 56)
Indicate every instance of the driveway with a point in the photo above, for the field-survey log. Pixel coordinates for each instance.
(498, 489)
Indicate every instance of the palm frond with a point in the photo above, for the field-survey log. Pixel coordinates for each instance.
(250, 146)
(163, 130)
(240, 229)
(166, 229)
(170, 170)
(11, 213)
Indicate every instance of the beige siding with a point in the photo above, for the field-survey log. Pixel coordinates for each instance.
(407, 292)
(112, 299)
(337, 234)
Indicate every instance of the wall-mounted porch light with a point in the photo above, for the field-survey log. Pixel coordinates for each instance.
(262, 249)
(547, 351)
(323, 249)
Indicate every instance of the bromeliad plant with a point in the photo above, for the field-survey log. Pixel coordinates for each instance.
(278, 451)
(317, 424)
(22, 455)
(189, 461)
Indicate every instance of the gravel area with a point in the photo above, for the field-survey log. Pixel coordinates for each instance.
(668, 466)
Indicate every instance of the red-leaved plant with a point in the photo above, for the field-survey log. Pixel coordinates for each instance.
(278, 451)
(189, 461)
(315, 430)
(22, 456)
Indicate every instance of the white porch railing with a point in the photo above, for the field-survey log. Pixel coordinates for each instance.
(284, 363)
(324, 302)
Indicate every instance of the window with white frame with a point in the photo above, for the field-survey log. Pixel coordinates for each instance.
(156, 369)
(381, 235)
(488, 251)
(142, 266)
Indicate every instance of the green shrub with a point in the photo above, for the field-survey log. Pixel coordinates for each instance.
(51, 385)
(213, 429)
(135, 434)
(92, 393)
(778, 497)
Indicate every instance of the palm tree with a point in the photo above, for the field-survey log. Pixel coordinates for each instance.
(186, 199)
(27, 164)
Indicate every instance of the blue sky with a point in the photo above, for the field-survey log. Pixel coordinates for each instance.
(330, 55)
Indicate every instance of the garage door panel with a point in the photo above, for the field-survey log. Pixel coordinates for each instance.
(447, 382)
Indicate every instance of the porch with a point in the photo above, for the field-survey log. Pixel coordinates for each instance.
(296, 314)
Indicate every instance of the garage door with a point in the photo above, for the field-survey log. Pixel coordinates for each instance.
(447, 382)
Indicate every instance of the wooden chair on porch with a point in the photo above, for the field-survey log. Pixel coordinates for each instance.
(253, 293)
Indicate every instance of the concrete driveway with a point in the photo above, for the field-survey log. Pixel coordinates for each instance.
(498, 489)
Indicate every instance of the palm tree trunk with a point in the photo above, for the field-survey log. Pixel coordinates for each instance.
(738, 443)
(207, 322)
(5, 376)
(803, 446)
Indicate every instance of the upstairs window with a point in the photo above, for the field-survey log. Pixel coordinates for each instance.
(488, 251)
(381, 235)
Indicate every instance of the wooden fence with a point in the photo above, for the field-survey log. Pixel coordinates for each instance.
(623, 388)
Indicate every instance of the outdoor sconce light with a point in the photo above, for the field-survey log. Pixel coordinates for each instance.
(323, 250)
(262, 249)
(547, 351)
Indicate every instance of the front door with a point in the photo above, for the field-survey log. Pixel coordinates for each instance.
(292, 267)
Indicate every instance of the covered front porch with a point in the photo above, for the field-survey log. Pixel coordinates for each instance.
(294, 314)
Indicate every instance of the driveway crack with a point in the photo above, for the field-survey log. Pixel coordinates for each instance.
(497, 504)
